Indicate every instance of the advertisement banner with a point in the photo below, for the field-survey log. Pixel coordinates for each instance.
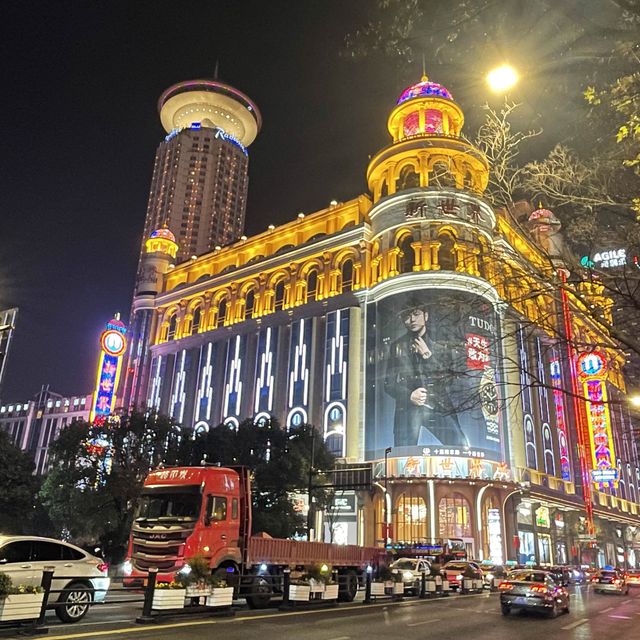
(432, 376)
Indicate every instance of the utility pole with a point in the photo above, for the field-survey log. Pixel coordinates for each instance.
(387, 451)
(310, 514)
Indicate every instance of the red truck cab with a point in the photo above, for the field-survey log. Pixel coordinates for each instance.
(186, 511)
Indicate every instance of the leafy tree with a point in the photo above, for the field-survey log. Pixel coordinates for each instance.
(19, 487)
(92, 489)
(281, 463)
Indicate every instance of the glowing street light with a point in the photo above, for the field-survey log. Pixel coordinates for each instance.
(502, 78)
(635, 400)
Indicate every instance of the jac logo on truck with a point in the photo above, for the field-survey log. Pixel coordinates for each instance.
(157, 536)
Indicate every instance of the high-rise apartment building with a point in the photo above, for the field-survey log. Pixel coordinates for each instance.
(199, 184)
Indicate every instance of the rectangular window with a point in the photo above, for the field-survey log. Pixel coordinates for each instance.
(234, 509)
(218, 508)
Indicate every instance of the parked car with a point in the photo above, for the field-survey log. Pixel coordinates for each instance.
(455, 570)
(493, 573)
(533, 590)
(411, 570)
(561, 575)
(578, 575)
(633, 577)
(80, 574)
(610, 581)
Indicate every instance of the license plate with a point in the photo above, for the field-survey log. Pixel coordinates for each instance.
(520, 600)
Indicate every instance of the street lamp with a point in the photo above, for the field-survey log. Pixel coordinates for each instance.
(502, 78)
(635, 400)
(387, 451)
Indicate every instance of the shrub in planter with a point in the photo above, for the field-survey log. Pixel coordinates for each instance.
(21, 602)
(169, 595)
(198, 579)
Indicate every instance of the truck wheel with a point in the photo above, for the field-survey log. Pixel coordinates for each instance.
(259, 593)
(348, 586)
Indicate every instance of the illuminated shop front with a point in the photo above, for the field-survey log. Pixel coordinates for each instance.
(396, 324)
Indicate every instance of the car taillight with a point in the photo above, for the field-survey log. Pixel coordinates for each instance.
(616, 581)
(103, 567)
(537, 588)
(505, 586)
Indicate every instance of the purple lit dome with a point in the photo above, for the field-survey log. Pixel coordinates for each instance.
(164, 233)
(424, 88)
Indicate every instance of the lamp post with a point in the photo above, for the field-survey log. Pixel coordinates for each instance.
(523, 489)
(387, 451)
(310, 513)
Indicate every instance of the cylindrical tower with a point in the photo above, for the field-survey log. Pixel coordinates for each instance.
(160, 250)
(200, 179)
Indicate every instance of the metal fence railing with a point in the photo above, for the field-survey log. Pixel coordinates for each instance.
(285, 590)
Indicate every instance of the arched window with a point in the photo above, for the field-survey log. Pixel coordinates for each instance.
(441, 176)
(408, 178)
(384, 189)
(249, 303)
(446, 252)
(197, 319)
(173, 324)
(278, 295)
(312, 285)
(346, 275)
(454, 517)
(411, 519)
(406, 255)
(222, 312)
(549, 461)
(530, 442)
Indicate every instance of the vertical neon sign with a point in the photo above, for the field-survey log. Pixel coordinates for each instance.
(592, 372)
(113, 345)
(558, 399)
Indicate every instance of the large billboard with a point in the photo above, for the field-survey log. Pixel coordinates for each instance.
(432, 378)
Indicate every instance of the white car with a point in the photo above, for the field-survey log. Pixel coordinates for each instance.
(81, 575)
(411, 570)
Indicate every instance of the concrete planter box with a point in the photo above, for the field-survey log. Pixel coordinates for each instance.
(445, 585)
(330, 592)
(299, 592)
(467, 584)
(168, 599)
(478, 584)
(21, 606)
(431, 586)
(377, 588)
(438, 580)
(195, 591)
(220, 597)
(398, 589)
(316, 587)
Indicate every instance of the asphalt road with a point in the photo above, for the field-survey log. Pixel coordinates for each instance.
(472, 617)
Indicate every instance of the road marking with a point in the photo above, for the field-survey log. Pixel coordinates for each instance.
(417, 624)
(573, 625)
(341, 638)
(607, 609)
(621, 617)
(627, 601)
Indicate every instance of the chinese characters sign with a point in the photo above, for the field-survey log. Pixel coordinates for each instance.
(113, 345)
(592, 372)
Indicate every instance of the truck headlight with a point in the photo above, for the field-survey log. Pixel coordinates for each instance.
(127, 568)
(185, 571)
(407, 575)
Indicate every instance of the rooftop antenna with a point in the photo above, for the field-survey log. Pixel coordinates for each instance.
(424, 68)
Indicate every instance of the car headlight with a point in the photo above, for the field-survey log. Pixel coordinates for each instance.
(127, 568)
(185, 571)
(490, 576)
(407, 575)
(459, 576)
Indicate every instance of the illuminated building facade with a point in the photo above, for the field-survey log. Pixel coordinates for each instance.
(420, 331)
(33, 425)
(199, 183)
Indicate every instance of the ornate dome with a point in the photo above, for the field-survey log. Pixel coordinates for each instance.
(164, 233)
(424, 88)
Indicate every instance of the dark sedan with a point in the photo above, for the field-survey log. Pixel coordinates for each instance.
(533, 591)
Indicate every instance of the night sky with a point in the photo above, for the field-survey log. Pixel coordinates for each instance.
(80, 129)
